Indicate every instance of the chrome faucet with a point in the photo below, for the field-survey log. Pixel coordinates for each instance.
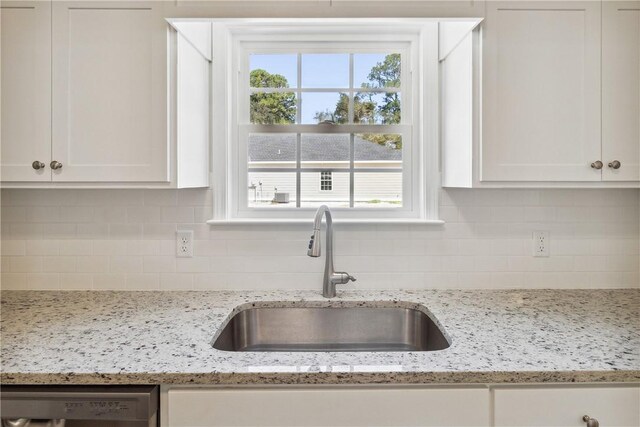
(331, 277)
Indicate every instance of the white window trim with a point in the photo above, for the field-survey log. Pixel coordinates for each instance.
(421, 35)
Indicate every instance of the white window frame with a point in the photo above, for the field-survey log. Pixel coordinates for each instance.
(419, 128)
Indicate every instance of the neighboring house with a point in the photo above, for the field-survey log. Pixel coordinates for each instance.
(319, 152)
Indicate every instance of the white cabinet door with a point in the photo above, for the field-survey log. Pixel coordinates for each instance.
(109, 91)
(336, 406)
(565, 406)
(621, 89)
(541, 93)
(25, 34)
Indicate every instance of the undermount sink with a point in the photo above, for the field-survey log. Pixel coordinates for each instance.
(331, 329)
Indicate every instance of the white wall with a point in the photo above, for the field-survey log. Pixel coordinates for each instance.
(123, 239)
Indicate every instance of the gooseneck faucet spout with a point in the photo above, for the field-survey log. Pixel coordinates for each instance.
(331, 277)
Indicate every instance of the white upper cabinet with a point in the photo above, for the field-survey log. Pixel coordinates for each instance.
(621, 90)
(110, 92)
(541, 92)
(25, 34)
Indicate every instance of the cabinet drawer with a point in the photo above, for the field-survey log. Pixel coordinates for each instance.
(565, 406)
(346, 406)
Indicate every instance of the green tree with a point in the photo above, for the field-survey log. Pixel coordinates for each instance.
(386, 74)
(366, 110)
(275, 108)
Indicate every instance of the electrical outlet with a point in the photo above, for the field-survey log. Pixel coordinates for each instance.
(541, 243)
(184, 243)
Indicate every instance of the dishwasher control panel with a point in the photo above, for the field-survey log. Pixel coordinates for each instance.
(117, 403)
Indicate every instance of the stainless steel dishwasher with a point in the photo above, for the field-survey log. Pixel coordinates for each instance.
(79, 406)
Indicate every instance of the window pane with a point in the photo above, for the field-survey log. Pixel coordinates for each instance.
(377, 189)
(277, 108)
(325, 70)
(272, 189)
(320, 106)
(268, 70)
(377, 108)
(377, 150)
(269, 150)
(312, 195)
(324, 150)
(377, 70)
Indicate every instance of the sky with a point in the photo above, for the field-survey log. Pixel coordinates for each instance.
(318, 71)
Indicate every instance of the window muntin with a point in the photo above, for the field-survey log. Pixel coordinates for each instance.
(362, 111)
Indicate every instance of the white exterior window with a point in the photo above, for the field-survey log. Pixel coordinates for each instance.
(326, 181)
(321, 113)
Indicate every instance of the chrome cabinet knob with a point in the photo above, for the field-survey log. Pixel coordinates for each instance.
(37, 165)
(591, 422)
(615, 164)
(597, 164)
(55, 165)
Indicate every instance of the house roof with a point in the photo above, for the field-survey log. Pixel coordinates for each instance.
(323, 147)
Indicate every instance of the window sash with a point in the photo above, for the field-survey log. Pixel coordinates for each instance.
(405, 131)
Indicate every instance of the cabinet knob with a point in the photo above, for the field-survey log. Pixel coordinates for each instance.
(596, 165)
(55, 165)
(615, 164)
(591, 422)
(37, 165)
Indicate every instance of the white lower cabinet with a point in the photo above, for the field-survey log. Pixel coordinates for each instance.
(482, 405)
(335, 406)
(566, 406)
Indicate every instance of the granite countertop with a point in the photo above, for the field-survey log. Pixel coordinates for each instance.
(165, 338)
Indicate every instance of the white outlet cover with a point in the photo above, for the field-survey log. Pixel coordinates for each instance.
(541, 242)
(184, 243)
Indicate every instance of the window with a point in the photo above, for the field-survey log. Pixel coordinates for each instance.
(326, 182)
(326, 114)
(339, 110)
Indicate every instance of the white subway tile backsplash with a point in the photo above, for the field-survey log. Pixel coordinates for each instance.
(177, 214)
(110, 214)
(125, 239)
(125, 231)
(74, 247)
(76, 214)
(25, 264)
(125, 264)
(152, 231)
(159, 264)
(44, 281)
(109, 247)
(92, 264)
(14, 213)
(93, 231)
(14, 247)
(43, 247)
(75, 281)
(12, 281)
(59, 264)
(143, 281)
(110, 282)
(176, 282)
(160, 197)
(143, 214)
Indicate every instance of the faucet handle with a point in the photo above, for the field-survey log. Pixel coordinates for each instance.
(340, 278)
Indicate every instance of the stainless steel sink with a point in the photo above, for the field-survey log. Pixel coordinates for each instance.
(331, 329)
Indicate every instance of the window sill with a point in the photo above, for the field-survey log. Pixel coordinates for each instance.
(374, 221)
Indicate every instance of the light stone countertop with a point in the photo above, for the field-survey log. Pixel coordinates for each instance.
(520, 336)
